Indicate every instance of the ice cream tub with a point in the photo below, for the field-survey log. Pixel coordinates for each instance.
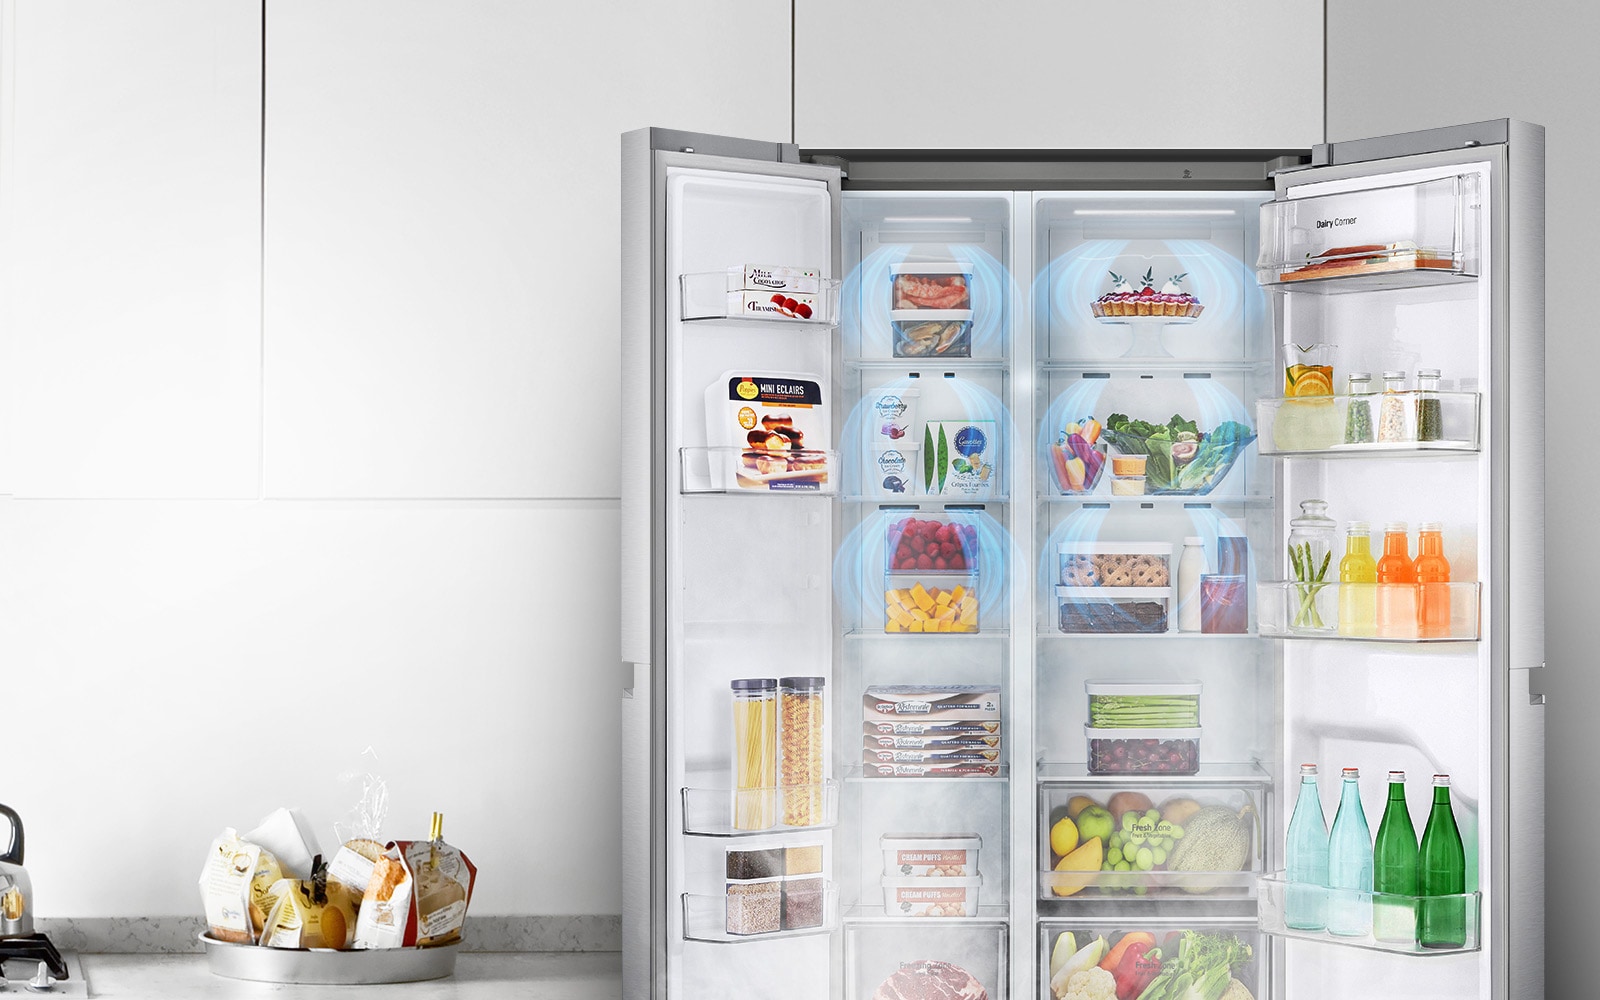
(930, 855)
(891, 415)
(930, 897)
(891, 471)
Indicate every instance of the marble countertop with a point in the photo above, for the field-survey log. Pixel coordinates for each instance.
(478, 976)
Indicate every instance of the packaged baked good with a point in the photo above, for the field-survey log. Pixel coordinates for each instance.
(418, 895)
(352, 865)
(288, 835)
(774, 427)
(235, 909)
(384, 919)
(311, 913)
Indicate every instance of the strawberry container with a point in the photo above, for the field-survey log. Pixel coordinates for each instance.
(931, 572)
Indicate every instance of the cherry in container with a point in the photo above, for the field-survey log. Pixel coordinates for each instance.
(1143, 751)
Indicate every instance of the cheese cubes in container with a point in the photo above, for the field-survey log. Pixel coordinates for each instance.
(930, 855)
(1114, 586)
(931, 309)
(931, 573)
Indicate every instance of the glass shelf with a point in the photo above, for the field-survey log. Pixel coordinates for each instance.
(1271, 915)
(1219, 775)
(1160, 363)
(1315, 425)
(878, 634)
(1277, 602)
(909, 498)
(923, 366)
(1199, 887)
(1422, 233)
(705, 918)
(1153, 500)
(804, 299)
(988, 914)
(856, 773)
(1170, 636)
(707, 812)
(757, 472)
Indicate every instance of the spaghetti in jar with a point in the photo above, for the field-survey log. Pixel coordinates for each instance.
(755, 753)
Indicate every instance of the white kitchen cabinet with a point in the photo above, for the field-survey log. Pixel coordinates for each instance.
(442, 222)
(1166, 74)
(130, 156)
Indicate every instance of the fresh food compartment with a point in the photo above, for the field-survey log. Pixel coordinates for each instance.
(1403, 235)
(1157, 959)
(1410, 421)
(1195, 841)
(1368, 611)
(1422, 926)
(760, 292)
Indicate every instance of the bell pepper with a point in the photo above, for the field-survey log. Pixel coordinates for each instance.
(1114, 956)
(1138, 967)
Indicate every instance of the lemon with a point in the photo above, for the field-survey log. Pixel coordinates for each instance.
(1064, 836)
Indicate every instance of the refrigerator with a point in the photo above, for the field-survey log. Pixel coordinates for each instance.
(983, 516)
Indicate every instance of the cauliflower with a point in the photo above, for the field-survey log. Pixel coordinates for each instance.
(1091, 984)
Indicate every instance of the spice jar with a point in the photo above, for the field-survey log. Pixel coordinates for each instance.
(1358, 414)
(1430, 409)
(755, 752)
(802, 709)
(1394, 422)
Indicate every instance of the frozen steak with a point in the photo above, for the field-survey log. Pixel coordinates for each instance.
(930, 980)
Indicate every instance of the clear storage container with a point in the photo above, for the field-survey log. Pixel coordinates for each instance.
(755, 752)
(1143, 751)
(801, 709)
(930, 897)
(930, 855)
(1133, 704)
(1114, 609)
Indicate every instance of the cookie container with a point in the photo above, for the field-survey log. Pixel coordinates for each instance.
(1113, 609)
(1143, 751)
(1115, 564)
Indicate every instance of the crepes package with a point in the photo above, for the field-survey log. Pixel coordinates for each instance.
(418, 896)
(235, 884)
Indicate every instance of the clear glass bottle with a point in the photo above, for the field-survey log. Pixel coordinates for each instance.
(1430, 408)
(1394, 416)
(1358, 414)
(1305, 900)
(1310, 558)
(755, 752)
(1350, 863)
(800, 731)
(1441, 871)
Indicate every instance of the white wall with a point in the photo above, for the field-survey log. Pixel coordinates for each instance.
(1482, 59)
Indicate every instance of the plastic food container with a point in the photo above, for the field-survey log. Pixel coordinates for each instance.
(1115, 564)
(930, 897)
(932, 333)
(1127, 486)
(745, 865)
(930, 855)
(931, 573)
(1143, 751)
(1128, 465)
(755, 906)
(1177, 700)
(1114, 609)
(802, 902)
(943, 285)
(800, 726)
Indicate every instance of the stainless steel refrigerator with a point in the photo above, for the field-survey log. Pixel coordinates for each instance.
(964, 649)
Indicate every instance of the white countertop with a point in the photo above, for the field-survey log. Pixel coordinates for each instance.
(478, 976)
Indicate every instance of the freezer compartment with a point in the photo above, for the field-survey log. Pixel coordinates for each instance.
(1402, 235)
(1460, 913)
(758, 471)
(965, 957)
(781, 295)
(1153, 956)
(708, 812)
(1140, 838)
(1409, 422)
(1313, 610)
(753, 910)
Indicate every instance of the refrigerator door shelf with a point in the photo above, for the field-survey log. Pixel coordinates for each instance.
(708, 812)
(705, 918)
(1317, 426)
(755, 472)
(1279, 602)
(719, 295)
(1271, 908)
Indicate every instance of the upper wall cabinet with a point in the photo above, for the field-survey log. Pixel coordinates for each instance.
(1040, 74)
(442, 222)
(130, 200)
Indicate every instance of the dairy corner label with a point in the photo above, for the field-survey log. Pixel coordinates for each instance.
(959, 458)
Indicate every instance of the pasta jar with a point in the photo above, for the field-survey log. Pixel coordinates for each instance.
(801, 729)
(755, 752)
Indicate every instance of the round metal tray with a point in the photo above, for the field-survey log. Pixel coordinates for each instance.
(324, 966)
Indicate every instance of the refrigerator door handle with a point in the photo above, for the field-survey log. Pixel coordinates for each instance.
(1536, 688)
(630, 677)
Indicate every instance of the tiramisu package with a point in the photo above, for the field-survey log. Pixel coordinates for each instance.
(773, 428)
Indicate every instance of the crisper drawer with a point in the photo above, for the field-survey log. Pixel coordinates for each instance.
(922, 957)
(1128, 960)
(1406, 234)
(1137, 839)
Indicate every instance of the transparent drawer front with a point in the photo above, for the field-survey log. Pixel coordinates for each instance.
(1161, 959)
(1406, 423)
(1423, 233)
(921, 957)
(1393, 612)
(1412, 925)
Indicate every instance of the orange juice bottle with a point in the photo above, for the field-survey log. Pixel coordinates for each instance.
(1397, 590)
(1432, 571)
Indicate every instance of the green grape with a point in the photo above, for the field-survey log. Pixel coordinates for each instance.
(1115, 841)
(1135, 839)
(1114, 855)
(1127, 820)
(1140, 890)
(1177, 831)
(1152, 816)
(1145, 859)
(1161, 856)
(1123, 866)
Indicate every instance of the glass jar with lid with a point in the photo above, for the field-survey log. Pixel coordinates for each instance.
(1430, 408)
(1394, 413)
(1311, 538)
(800, 727)
(1358, 413)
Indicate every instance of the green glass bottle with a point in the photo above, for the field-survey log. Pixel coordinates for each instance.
(1441, 872)
(1394, 868)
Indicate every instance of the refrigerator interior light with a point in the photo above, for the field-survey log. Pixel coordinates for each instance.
(962, 219)
(1154, 211)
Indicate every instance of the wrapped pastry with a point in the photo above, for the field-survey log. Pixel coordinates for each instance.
(311, 913)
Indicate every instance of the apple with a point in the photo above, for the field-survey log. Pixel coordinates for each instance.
(1095, 821)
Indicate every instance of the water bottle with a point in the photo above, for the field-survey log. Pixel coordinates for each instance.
(1441, 872)
(1305, 900)
(1394, 869)
(1350, 864)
